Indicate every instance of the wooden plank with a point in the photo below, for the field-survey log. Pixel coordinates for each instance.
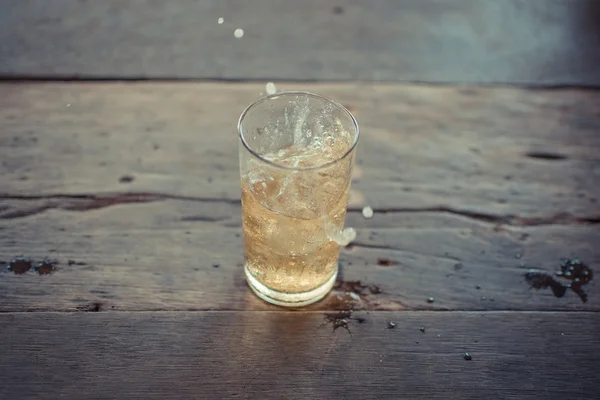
(462, 197)
(477, 41)
(293, 355)
(161, 256)
(514, 156)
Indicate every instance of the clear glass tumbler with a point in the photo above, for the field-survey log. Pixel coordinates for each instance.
(296, 155)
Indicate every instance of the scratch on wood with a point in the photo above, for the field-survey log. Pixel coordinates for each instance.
(85, 202)
(359, 244)
(508, 219)
(92, 307)
(548, 156)
(35, 204)
(202, 218)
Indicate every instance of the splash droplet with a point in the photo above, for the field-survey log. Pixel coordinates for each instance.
(342, 238)
(271, 88)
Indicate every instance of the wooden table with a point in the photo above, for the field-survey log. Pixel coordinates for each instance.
(133, 188)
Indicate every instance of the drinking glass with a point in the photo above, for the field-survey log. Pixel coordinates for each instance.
(296, 154)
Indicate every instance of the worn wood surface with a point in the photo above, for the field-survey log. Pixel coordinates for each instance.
(275, 355)
(524, 157)
(534, 42)
(470, 186)
(160, 256)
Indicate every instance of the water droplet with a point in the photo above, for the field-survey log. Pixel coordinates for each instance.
(353, 295)
(467, 357)
(391, 325)
(238, 33)
(422, 329)
(220, 21)
(430, 300)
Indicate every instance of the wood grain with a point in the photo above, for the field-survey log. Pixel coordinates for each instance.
(515, 156)
(470, 186)
(535, 42)
(275, 355)
(161, 256)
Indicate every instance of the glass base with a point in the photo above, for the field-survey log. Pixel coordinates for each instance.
(289, 299)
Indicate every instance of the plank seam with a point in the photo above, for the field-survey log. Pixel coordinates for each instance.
(95, 201)
(414, 311)
(88, 78)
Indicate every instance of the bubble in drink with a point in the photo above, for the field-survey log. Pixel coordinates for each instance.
(292, 232)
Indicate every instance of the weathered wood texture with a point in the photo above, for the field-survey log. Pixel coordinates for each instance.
(534, 42)
(471, 186)
(282, 355)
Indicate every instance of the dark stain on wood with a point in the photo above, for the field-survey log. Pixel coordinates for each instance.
(203, 218)
(126, 179)
(345, 303)
(91, 307)
(549, 156)
(356, 287)
(577, 273)
(386, 262)
(20, 265)
(342, 319)
(46, 267)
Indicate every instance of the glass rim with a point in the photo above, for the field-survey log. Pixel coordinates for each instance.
(304, 93)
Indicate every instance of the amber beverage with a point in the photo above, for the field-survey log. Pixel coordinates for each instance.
(296, 155)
